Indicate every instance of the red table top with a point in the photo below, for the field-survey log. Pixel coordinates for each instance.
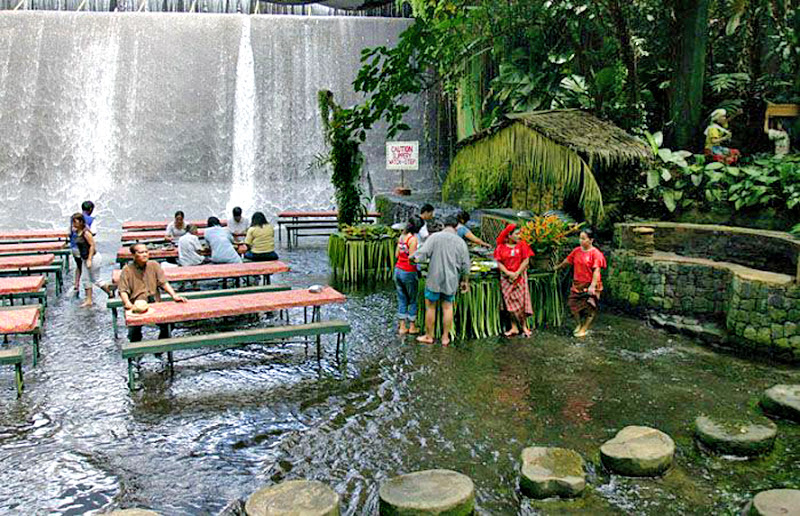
(166, 252)
(149, 235)
(21, 262)
(320, 214)
(145, 225)
(209, 308)
(19, 321)
(15, 285)
(32, 246)
(33, 233)
(218, 271)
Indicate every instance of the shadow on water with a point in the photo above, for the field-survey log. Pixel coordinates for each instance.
(232, 421)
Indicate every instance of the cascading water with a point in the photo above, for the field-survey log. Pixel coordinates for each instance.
(148, 113)
(244, 127)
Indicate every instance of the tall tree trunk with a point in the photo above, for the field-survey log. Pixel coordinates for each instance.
(691, 18)
(623, 32)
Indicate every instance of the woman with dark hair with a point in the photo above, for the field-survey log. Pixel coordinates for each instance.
(465, 233)
(512, 255)
(90, 259)
(177, 228)
(405, 277)
(260, 239)
(584, 296)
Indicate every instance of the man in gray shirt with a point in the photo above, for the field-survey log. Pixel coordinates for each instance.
(221, 243)
(448, 265)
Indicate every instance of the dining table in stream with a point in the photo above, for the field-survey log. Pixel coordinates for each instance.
(218, 271)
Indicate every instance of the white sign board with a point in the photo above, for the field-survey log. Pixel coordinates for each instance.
(402, 155)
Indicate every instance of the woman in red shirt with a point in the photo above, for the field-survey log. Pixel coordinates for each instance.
(405, 277)
(512, 255)
(584, 296)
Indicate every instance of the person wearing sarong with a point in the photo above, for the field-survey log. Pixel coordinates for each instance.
(716, 134)
(513, 255)
(587, 284)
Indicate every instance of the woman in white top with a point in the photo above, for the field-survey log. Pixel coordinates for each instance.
(176, 228)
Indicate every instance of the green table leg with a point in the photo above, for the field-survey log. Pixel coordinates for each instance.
(114, 321)
(35, 349)
(131, 384)
(18, 377)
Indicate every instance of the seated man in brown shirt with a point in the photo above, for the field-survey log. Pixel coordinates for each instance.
(141, 280)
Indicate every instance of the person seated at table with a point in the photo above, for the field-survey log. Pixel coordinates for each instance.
(512, 255)
(141, 280)
(465, 233)
(177, 228)
(190, 248)
(260, 240)
(220, 241)
(90, 259)
(238, 224)
(426, 214)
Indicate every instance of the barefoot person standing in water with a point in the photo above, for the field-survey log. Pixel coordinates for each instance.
(584, 296)
(512, 255)
(449, 264)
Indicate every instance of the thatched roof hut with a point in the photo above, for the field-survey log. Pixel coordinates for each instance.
(544, 157)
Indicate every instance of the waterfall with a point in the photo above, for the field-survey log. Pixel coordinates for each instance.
(244, 126)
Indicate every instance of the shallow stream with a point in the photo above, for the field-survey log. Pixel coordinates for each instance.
(231, 422)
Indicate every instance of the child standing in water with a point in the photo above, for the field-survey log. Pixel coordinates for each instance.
(584, 296)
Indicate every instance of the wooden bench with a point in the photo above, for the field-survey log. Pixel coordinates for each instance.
(132, 351)
(20, 320)
(115, 304)
(24, 287)
(297, 221)
(55, 269)
(14, 356)
(63, 254)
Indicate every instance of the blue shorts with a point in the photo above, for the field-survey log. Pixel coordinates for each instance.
(436, 296)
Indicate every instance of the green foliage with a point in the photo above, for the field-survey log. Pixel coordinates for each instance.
(344, 157)
(357, 261)
(681, 180)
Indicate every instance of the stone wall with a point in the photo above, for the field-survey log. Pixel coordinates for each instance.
(756, 311)
(765, 250)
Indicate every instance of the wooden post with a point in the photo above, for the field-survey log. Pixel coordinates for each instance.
(18, 378)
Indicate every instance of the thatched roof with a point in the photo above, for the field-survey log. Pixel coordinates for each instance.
(595, 139)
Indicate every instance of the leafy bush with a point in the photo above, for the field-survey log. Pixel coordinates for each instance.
(545, 234)
(681, 179)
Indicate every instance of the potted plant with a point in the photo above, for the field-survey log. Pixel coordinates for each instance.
(545, 234)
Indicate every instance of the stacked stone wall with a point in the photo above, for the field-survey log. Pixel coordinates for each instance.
(758, 316)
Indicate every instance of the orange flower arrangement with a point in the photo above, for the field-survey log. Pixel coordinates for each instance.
(546, 233)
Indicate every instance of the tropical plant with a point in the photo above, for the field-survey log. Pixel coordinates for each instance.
(546, 234)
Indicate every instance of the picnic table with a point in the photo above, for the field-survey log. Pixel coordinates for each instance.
(32, 264)
(297, 221)
(23, 287)
(35, 235)
(151, 225)
(125, 255)
(139, 236)
(210, 308)
(22, 320)
(218, 271)
(27, 248)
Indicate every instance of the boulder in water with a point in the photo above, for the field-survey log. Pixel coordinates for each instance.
(306, 497)
(548, 472)
(431, 492)
(638, 451)
(782, 401)
(775, 502)
(753, 436)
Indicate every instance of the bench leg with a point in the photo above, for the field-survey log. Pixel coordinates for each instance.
(35, 349)
(171, 363)
(319, 346)
(343, 363)
(18, 379)
(131, 384)
(114, 322)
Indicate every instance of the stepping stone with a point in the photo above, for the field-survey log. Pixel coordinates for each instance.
(134, 512)
(294, 497)
(775, 502)
(638, 451)
(750, 437)
(431, 492)
(548, 472)
(782, 401)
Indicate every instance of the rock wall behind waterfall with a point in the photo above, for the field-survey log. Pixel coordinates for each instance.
(138, 112)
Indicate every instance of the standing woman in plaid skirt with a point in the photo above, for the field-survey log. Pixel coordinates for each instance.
(512, 255)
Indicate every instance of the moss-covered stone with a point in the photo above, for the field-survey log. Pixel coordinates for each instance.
(638, 451)
(775, 502)
(782, 401)
(548, 472)
(744, 437)
(305, 497)
(438, 492)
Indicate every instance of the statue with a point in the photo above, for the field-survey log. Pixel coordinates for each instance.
(717, 133)
(777, 133)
